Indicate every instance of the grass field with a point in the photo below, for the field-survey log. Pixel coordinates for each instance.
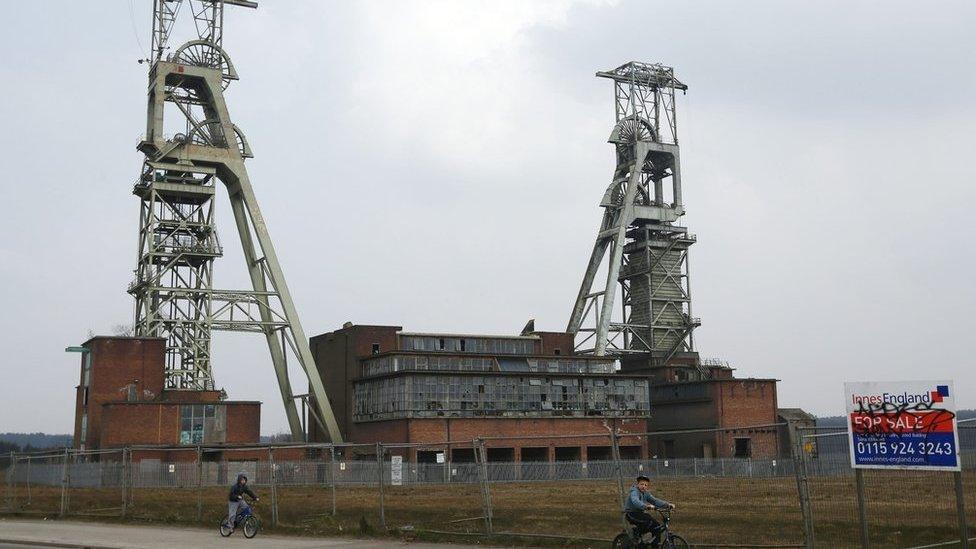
(904, 510)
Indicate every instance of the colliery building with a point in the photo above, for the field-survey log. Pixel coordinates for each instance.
(387, 385)
(122, 400)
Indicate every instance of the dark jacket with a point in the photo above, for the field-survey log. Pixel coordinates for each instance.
(237, 491)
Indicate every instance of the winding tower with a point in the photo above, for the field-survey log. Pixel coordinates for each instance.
(640, 245)
(178, 241)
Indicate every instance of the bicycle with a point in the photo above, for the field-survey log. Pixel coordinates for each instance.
(245, 517)
(629, 539)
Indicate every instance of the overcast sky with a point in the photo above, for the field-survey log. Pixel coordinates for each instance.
(439, 166)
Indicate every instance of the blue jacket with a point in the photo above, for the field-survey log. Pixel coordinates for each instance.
(637, 500)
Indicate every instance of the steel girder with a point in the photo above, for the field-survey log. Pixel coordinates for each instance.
(178, 241)
(638, 243)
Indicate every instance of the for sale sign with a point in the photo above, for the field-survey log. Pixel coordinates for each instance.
(902, 425)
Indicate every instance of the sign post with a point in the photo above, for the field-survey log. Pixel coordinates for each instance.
(907, 425)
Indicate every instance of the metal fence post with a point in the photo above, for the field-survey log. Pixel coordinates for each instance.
(481, 457)
(125, 481)
(961, 510)
(64, 485)
(379, 481)
(28, 479)
(199, 484)
(447, 463)
(802, 488)
(332, 467)
(11, 469)
(862, 515)
(274, 487)
(619, 473)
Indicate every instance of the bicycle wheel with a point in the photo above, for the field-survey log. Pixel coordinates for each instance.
(251, 527)
(224, 529)
(675, 541)
(623, 541)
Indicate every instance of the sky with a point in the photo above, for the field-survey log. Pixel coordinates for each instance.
(439, 166)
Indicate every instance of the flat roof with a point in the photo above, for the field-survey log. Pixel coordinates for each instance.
(486, 336)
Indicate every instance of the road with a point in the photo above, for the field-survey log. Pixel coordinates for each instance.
(114, 536)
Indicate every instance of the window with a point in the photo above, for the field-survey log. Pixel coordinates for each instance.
(86, 378)
(192, 418)
(84, 401)
(743, 447)
(461, 345)
(376, 348)
(669, 449)
(556, 352)
(84, 427)
(440, 343)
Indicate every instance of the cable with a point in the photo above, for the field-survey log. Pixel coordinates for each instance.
(135, 31)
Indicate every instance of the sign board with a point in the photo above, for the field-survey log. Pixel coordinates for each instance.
(440, 457)
(396, 470)
(902, 425)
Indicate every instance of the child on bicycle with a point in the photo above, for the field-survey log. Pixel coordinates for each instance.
(236, 498)
(639, 502)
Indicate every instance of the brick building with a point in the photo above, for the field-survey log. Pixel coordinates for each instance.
(122, 400)
(387, 385)
(690, 394)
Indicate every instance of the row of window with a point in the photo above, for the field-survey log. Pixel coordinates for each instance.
(485, 345)
(432, 396)
(397, 363)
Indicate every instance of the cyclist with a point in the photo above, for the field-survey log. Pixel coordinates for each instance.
(639, 502)
(236, 498)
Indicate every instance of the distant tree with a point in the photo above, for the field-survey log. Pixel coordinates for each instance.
(123, 330)
(280, 436)
(5, 449)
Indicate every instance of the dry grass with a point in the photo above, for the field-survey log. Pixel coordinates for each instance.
(904, 509)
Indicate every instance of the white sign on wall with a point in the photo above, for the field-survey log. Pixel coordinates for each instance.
(902, 425)
(396, 470)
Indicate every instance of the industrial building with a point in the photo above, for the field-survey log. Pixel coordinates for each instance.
(627, 361)
(122, 400)
(387, 385)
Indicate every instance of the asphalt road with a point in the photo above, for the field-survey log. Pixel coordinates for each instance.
(126, 536)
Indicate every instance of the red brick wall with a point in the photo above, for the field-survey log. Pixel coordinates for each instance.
(115, 363)
(336, 357)
(243, 422)
(746, 402)
(465, 430)
(191, 397)
(551, 341)
(128, 424)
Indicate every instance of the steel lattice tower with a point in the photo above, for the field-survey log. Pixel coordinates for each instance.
(178, 242)
(648, 250)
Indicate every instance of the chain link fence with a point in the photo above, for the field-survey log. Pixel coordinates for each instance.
(898, 508)
(569, 487)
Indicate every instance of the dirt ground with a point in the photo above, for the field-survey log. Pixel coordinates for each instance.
(903, 510)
